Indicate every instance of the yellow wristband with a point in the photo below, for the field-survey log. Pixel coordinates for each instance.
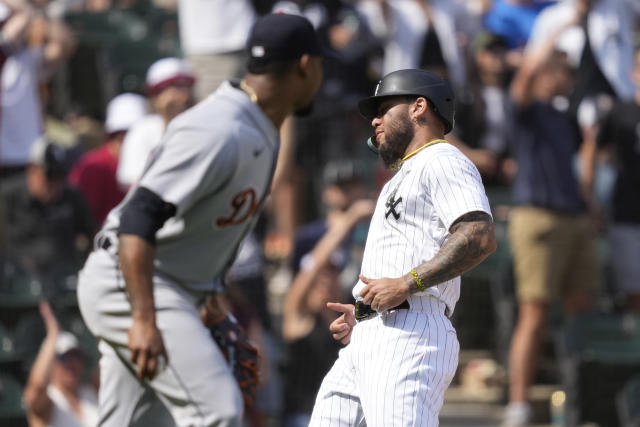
(418, 280)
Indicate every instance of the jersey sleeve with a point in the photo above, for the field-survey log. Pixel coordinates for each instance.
(455, 187)
(188, 164)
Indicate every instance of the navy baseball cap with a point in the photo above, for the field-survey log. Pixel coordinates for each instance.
(283, 36)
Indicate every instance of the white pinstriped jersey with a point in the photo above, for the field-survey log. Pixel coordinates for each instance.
(414, 212)
(415, 352)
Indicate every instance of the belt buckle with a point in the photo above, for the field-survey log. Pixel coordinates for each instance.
(363, 311)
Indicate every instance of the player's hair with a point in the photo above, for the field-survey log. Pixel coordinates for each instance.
(275, 67)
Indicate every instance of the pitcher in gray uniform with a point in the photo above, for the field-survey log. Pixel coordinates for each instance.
(162, 251)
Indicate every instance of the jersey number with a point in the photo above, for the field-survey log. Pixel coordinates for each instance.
(244, 204)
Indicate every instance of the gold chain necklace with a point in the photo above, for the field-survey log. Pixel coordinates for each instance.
(249, 91)
(413, 153)
(398, 164)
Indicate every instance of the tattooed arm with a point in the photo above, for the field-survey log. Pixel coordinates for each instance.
(472, 240)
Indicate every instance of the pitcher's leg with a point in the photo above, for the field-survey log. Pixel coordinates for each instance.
(124, 401)
(197, 385)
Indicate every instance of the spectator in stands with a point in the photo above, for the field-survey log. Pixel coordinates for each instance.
(342, 185)
(483, 111)
(213, 36)
(55, 395)
(514, 19)
(311, 351)
(49, 226)
(619, 138)
(39, 46)
(334, 126)
(599, 42)
(170, 84)
(348, 74)
(417, 33)
(95, 172)
(10, 29)
(550, 233)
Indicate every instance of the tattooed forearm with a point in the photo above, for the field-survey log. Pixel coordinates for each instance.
(472, 240)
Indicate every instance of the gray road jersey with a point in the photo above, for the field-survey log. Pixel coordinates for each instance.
(215, 164)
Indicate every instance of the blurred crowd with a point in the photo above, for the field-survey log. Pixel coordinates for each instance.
(547, 107)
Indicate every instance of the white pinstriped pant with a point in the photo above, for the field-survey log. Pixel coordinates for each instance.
(394, 372)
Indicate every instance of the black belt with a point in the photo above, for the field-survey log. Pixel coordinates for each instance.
(364, 311)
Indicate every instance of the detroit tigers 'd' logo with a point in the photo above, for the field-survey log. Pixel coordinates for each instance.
(391, 205)
(244, 204)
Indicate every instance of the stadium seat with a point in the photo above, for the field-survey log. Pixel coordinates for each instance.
(20, 291)
(628, 403)
(7, 348)
(131, 59)
(28, 335)
(12, 411)
(598, 354)
(104, 28)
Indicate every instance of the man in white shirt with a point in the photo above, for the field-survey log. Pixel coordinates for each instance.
(170, 83)
(213, 34)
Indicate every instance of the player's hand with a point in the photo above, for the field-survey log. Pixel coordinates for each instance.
(385, 293)
(147, 348)
(341, 327)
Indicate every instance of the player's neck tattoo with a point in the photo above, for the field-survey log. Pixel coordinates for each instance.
(249, 91)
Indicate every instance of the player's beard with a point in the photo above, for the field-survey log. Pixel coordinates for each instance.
(397, 136)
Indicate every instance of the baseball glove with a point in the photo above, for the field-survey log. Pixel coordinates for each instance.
(241, 355)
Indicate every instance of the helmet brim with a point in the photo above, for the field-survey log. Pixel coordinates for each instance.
(368, 107)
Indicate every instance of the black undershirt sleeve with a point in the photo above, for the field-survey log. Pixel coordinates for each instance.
(144, 214)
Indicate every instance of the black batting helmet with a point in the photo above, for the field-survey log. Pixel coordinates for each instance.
(413, 82)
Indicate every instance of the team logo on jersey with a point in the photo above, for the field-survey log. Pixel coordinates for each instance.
(391, 205)
(244, 205)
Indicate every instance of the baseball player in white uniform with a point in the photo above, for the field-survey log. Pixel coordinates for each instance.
(431, 223)
(163, 250)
